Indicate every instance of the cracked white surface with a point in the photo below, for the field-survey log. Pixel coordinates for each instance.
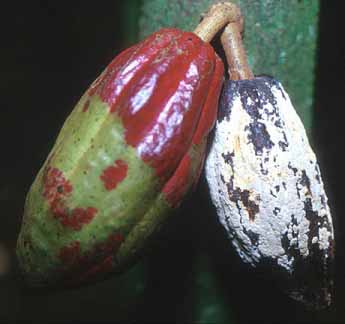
(265, 182)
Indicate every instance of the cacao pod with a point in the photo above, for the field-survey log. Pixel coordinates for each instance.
(126, 156)
(265, 183)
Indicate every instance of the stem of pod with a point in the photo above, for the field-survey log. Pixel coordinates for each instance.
(216, 18)
(234, 51)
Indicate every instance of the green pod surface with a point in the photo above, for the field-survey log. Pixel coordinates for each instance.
(128, 154)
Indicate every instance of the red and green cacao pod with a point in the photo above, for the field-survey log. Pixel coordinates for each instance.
(126, 156)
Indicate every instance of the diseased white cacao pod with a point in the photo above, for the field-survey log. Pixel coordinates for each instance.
(266, 186)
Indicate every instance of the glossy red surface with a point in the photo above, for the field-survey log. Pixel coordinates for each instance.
(160, 88)
(209, 112)
(189, 170)
(177, 186)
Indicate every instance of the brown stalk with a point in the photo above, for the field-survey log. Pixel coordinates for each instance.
(234, 51)
(216, 18)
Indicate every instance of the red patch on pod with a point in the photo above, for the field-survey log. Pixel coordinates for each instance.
(56, 190)
(76, 218)
(114, 174)
(98, 261)
(55, 185)
(107, 249)
(160, 89)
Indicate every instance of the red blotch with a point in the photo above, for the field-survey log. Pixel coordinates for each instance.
(55, 185)
(114, 174)
(107, 249)
(97, 261)
(112, 243)
(86, 105)
(70, 254)
(56, 190)
(78, 217)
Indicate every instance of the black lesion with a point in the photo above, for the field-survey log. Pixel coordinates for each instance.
(262, 169)
(295, 170)
(319, 262)
(259, 90)
(259, 137)
(276, 211)
(278, 123)
(254, 95)
(250, 205)
(285, 242)
(283, 146)
(227, 99)
(254, 237)
(323, 201)
(239, 196)
(272, 194)
(315, 222)
(230, 187)
(298, 190)
(291, 250)
(228, 158)
(257, 131)
(305, 181)
(222, 178)
(317, 176)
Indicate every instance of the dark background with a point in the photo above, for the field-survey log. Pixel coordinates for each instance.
(50, 54)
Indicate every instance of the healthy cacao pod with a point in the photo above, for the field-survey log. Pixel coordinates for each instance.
(265, 183)
(126, 156)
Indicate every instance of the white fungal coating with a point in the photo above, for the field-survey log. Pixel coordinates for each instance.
(266, 186)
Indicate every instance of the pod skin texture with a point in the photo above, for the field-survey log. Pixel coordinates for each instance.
(126, 156)
(265, 183)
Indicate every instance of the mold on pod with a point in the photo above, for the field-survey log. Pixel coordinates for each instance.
(265, 183)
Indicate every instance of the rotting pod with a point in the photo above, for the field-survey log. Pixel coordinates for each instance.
(265, 181)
